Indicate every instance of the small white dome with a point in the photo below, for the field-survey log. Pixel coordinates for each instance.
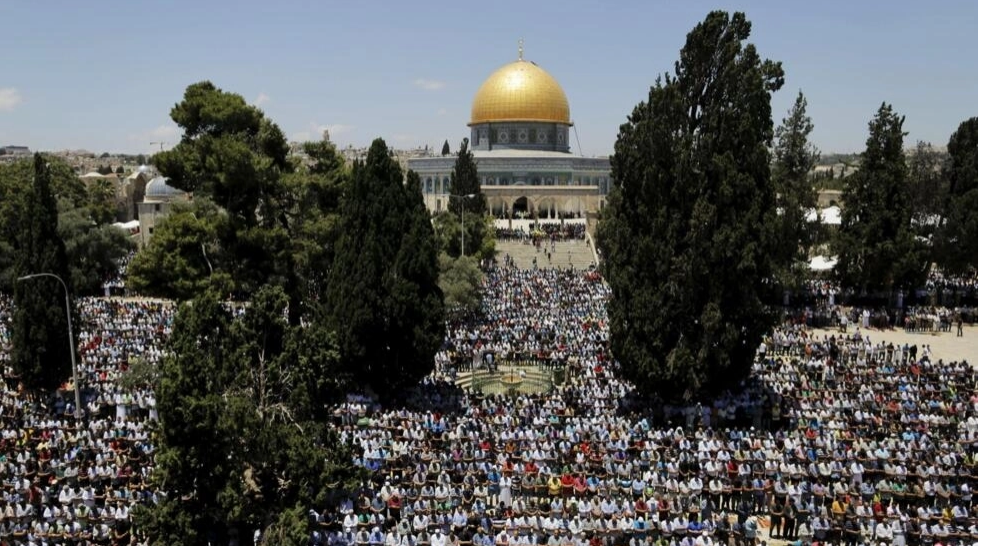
(159, 188)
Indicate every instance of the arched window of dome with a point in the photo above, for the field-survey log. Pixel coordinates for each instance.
(429, 185)
(447, 185)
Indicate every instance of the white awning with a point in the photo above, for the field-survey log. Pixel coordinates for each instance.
(822, 263)
(132, 224)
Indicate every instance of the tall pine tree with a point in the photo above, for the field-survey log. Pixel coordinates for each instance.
(41, 352)
(876, 246)
(684, 235)
(382, 295)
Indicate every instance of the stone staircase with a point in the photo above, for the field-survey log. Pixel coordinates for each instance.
(578, 254)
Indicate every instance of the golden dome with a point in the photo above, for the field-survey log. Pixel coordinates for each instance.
(520, 91)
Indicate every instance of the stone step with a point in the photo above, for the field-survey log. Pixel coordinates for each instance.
(576, 254)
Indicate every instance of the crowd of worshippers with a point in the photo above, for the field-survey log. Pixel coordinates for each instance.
(823, 303)
(544, 231)
(69, 483)
(833, 439)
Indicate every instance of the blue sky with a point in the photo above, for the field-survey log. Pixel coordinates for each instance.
(104, 75)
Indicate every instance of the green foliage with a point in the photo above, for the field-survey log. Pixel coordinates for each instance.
(446, 150)
(275, 218)
(242, 441)
(93, 251)
(382, 299)
(101, 201)
(140, 373)
(795, 157)
(177, 263)
(233, 156)
(959, 235)
(460, 281)
(685, 233)
(40, 353)
(479, 234)
(465, 183)
(92, 246)
(876, 244)
(925, 178)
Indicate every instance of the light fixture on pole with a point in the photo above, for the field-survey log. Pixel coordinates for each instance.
(462, 198)
(71, 339)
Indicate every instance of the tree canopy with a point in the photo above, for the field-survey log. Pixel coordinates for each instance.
(92, 245)
(460, 281)
(958, 251)
(274, 215)
(876, 244)
(382, 295)
(244, 443)
(684, 235)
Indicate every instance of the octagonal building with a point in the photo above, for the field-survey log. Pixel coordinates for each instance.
(520, 137)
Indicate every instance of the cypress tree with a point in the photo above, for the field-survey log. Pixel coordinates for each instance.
(685, 233)
(959, 234)
(876, 244)
(382, 296)
(465, 181)
(795, 158)
(41, 352)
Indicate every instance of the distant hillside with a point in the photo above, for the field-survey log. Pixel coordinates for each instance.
(830, 160)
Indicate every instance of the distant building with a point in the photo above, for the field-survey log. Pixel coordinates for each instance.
(17, 151)
(156, 205)
(520, 137)
(134, 188)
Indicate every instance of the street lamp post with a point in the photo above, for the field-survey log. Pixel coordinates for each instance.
(71, 339)
(462, 198)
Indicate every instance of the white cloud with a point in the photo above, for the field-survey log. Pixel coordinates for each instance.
(151, 140)
(9, 98)
(442, 112)
(333, 129)
(166, 132)
(315, 131)
(429, 85)
(262, 99)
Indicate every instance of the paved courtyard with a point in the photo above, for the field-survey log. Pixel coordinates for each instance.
(944, 345)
